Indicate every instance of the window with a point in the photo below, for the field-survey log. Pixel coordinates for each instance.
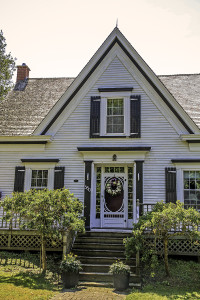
(192, 189)
(114, 169)
(115, 116)
(39, 179)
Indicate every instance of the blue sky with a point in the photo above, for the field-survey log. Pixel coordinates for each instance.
(57, 38)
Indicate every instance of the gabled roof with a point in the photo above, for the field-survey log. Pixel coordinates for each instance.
(22, 111)
(35, 109)
(186, 90)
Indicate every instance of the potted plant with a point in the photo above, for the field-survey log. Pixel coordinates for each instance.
(121, 274)
(70, 268)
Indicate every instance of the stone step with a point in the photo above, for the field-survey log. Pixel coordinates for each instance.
(103, 268)
(104, 277)
(99, 246)
(108, 284)
(100, 239)
(105, 234)
(96, 253)
(105, 260)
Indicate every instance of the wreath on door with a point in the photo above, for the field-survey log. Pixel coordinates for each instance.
(113, 186)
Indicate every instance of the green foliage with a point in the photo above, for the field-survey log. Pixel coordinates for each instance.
(183, 284)
(163, 222)
(70, 264)
(51, 212)
(119, 268)
(7, 67)
(21, 279)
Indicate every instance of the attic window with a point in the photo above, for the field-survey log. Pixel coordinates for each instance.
(115, 115)
(115, 112)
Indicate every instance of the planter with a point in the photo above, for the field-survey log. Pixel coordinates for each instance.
(70, 279)
(121, 281)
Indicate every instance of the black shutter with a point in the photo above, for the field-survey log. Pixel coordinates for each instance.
(135, 116)
(59, 177)
(170, 184)
(139, 183)
(19, 179)
(95, 117)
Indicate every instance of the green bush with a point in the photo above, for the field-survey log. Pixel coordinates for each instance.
(70, 264)
(119, 268)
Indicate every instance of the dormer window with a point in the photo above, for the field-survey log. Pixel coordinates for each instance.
(115, 114)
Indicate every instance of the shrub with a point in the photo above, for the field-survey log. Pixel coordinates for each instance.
(70, 264)
(119, 268)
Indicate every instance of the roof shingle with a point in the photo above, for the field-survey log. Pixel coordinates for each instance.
(186, 90)
(22, 111)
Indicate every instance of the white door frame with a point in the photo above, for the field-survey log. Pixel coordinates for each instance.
(98, 223)
(111, 222)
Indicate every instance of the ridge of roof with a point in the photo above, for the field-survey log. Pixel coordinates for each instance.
(40, 78)
(73, 77)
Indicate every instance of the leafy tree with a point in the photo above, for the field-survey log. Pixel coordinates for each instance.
(165, 221)
(50, 212)
(7, 68)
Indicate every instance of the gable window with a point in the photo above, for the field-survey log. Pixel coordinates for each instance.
(39, 179)
(115, 115)
(192, 189)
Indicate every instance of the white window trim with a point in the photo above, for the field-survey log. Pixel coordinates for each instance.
(103, 113)
(179, 177)
(39, 166)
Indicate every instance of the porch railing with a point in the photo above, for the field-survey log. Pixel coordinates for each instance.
(143, 208)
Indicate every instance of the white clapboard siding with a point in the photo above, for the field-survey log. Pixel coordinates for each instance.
(156, 132)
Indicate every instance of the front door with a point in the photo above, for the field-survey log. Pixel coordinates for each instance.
(113, 204)
(112, 197)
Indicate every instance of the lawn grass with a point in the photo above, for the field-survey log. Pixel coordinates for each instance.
(21, 279)
(184, 282)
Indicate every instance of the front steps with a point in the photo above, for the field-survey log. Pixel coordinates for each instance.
(97, 251)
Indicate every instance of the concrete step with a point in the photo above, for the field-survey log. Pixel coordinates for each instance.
(99, 246)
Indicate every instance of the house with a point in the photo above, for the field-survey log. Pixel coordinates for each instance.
(117, 136)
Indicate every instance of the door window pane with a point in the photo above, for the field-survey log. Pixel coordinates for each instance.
(98, 193)
(130, 192)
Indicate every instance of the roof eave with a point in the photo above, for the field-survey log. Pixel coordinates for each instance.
(26, 138)
(117, 37)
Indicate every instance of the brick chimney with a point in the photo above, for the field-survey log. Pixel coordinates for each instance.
(22, 72)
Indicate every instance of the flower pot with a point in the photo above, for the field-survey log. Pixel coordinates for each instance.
(121, 281)
(70, 279)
